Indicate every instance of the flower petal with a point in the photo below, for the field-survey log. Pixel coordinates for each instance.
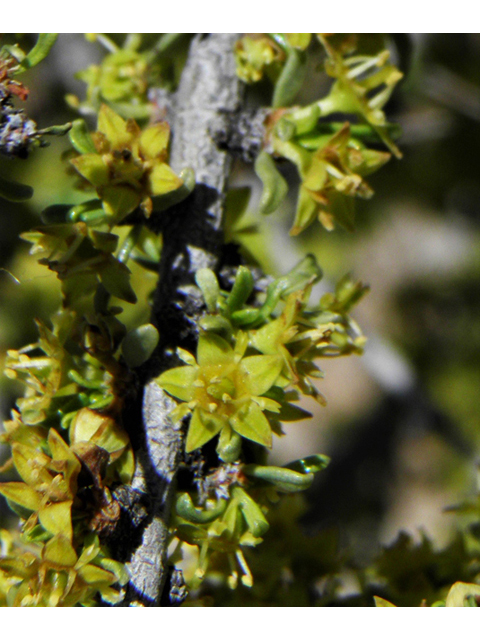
(212, 350)
(178, 382)
(92, 167)
(203, 427)
(59, 550)
(21, 494)
(260, 372)
(114, 128)
(253, 425)
(316, 175)
(119, 200)
(57, 518)
(154, 140)
(163, 180)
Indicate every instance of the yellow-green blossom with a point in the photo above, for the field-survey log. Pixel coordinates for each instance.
(121, 75)
(129, 166)
(253, 53)
(49, 485)
(54, 575)
(364, 82)
(334, 176)
(224, 391)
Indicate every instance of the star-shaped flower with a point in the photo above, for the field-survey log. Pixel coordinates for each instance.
(129, 165)
(334, 176)
(224, 390)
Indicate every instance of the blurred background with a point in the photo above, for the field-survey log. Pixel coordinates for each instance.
(401, 423)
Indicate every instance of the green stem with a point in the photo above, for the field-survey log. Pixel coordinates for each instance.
(165, 42)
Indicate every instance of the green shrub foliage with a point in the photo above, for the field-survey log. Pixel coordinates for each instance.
(259, 348)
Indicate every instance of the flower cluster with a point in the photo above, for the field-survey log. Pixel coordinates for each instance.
(55, 575)
(69, 448)
(332, 158)
(254, 54)
(126, 73)
(363, 82)
(127, 166)
(252, 361)
(257, 350)
(280, 56)
(225, 391)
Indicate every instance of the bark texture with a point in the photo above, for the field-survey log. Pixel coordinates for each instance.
(192, 239)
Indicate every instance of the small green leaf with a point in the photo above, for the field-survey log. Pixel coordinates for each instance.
(275, 187)
(241, 290)
(186, 510)
(256, 521)
(306, 272)
(55, 214)
(41, 49)
(291, 79)
(14, 191)
(208, 284)
(139, 344)
(56, 129)
(285, 480)
(216, 324)
(310, 464)
(80, 137)
(246, 317)
(229, 445)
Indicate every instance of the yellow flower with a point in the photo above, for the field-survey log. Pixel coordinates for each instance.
(129, 166)
(254, 53)
(224, 390)
(333, 178)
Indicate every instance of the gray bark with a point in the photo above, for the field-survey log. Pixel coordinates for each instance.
(208, 90)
